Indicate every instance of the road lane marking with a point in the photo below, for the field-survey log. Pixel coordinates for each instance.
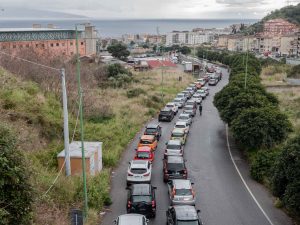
(243, 180)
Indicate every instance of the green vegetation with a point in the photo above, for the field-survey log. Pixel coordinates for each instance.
(294, 72)
(16, 194)
(119, 51)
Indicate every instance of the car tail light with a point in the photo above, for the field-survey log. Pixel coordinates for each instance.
(181, 151)
(130, 174)
(193, 193)
(146, 174)
(128, 204)
(185, 171)
(153, 204)
(173, 192)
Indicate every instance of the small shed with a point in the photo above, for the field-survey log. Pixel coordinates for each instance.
(93, 157)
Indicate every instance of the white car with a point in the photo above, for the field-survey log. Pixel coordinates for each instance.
(182, 95)
(185, 118)
(201, 81)
(173, 106)
(202, 93)
(181, 192)
(182, 125)
(197, 98)
(131, 219)
(139, 171)
(206, 89)
(179, 102)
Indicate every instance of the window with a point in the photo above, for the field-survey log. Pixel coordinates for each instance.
(57, 44)
(27, 45)
(3, 47)
(72, 53)
(14, 46)
(36, 45)
(63, 44)
(51, 44)
(81, 43)
(43, 45)
(71, 43)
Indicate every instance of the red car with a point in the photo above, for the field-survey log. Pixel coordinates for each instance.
(144, 153)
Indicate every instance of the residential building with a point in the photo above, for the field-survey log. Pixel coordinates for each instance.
(188, 38)
(279, 27)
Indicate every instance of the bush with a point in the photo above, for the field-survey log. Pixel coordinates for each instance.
(135, 92)
(294, 72)
(16, 194)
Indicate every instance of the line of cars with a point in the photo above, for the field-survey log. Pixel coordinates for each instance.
(141, 199)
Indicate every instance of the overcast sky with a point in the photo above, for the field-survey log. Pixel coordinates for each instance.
(136, 9)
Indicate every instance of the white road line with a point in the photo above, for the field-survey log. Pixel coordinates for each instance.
(244, 182)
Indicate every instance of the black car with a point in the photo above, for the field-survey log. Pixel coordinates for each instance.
(153, 129)
(183, 215)
(174, 168)
(141, 199)
(166, 114)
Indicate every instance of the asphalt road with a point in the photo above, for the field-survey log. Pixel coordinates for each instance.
(221, 194)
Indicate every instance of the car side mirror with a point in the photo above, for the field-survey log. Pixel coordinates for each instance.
(185, 160)
(154, 188)
(129, 163)
(170, 182)
(198, 210)
(127, 188)
(135, 149)
(192, 183)
(115, 221)
(167, 213)
(147, 220)
(166, 143)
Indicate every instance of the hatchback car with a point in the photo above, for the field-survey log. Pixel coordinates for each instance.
(212, 82)
(202, 93)
(188, 94)
(173, 106)
(131, 219)
(141, 199)
(192, 103)
(174, 148)
(174, 168)
(182, 125)
(183, 215)
(179, 134)
(185, 118)
(202, 81)
(197, 98)
(181, 192)
(144, 153)
(206, 89)
(139, 171)
(153, 129)
(166, 114)
(148, 140)
(179, 102)
(183, 96)
(189, 109)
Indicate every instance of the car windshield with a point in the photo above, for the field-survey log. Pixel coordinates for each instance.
(183, 117)
(179, 126)
(170, 106)
(175, 147)
(138, 170)
(201, 91)
(187, 222)
(146, 142)
(164, 112)
(183, 192)
(175, 166)
(177, 100)
(150, 130)
(175, 134)
(141, 198)
(143, 155)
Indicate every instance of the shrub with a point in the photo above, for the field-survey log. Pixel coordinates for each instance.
(135, 92)
(294, 72)
(16, 194)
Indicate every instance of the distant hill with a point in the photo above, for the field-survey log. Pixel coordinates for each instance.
(290, 13)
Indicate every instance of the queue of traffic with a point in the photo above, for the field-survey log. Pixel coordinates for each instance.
(141, 200)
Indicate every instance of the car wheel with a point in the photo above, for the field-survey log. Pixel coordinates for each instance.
(153, 215)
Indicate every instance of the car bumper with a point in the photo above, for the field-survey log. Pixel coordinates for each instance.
(138, 181)
(183, 202)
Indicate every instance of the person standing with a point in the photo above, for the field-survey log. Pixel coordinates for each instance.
(200, 109)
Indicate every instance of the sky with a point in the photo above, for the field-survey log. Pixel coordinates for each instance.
(148, 9)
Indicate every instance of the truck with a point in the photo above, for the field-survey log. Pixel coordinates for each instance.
(188, 67)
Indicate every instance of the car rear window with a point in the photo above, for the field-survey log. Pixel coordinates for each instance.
(164, 112)
(141, 198)
(177, 134)
(150, 130)
(138, 171)
(143, 155)
(179, 126)
(145, 142)
(175, 147)
(183, 117)
(187, 222)
(175, 166)
(183, 192)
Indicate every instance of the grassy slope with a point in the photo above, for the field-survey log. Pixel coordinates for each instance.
(36, 117)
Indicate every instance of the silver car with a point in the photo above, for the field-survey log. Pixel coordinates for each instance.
(185, 118)
(131, 219)
(173, 148)
(197, 97)
(179, 102)
(183, 96)
(202, 93)
(181, 192)
(139, 171)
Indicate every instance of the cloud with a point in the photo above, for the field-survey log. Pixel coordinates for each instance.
(242, 3)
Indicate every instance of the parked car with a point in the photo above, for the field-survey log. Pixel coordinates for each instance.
(212, 82)
(197, 98)
(141, 199)
(183, 215)
(185, 118)
(179, 134)
(202, 81)
(191, 90)
(202, 93)
(192, 103)
(148, 140)
(198, 84)
(188, 94)
(189, 109)
(173, 106)
(174, 168)
(139, 171)
(181, 192)
(183, 125)
(166, 114)
(153, 129)
(183, 96)
(174, 148)
(131, 219)
(144, 153)
(206, 89)
(179, 102)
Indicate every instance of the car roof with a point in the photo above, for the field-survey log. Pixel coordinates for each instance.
(170, 103)
(130, 219)
(181, 184)
(181, 123)
(166, 109)
(140, 189)
(144, 149)
(175, 159)
(147, 137)
(174, 142)
(186, 212)
(152, 125)
(184, 114)
(139, 164)
(178, 130)
(188, 106)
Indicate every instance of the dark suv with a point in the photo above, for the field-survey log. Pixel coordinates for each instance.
(183, 215)
(174, 168)
(153, 129)
(141, 199)
(166, 114)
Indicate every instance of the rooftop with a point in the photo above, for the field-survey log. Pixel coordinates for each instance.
(34, 29)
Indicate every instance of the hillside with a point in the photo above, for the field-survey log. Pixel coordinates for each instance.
(290, 13)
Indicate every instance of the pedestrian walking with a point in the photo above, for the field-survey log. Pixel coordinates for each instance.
(200, 109)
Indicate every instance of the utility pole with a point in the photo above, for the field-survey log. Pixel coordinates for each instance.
(66, 122)
(81, 126)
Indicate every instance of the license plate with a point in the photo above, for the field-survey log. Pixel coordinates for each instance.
(137, 176)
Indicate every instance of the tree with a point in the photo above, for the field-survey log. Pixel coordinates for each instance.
(185, 50)
(261, 127)
(15, 191)
(286, 178)
(119, 51)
